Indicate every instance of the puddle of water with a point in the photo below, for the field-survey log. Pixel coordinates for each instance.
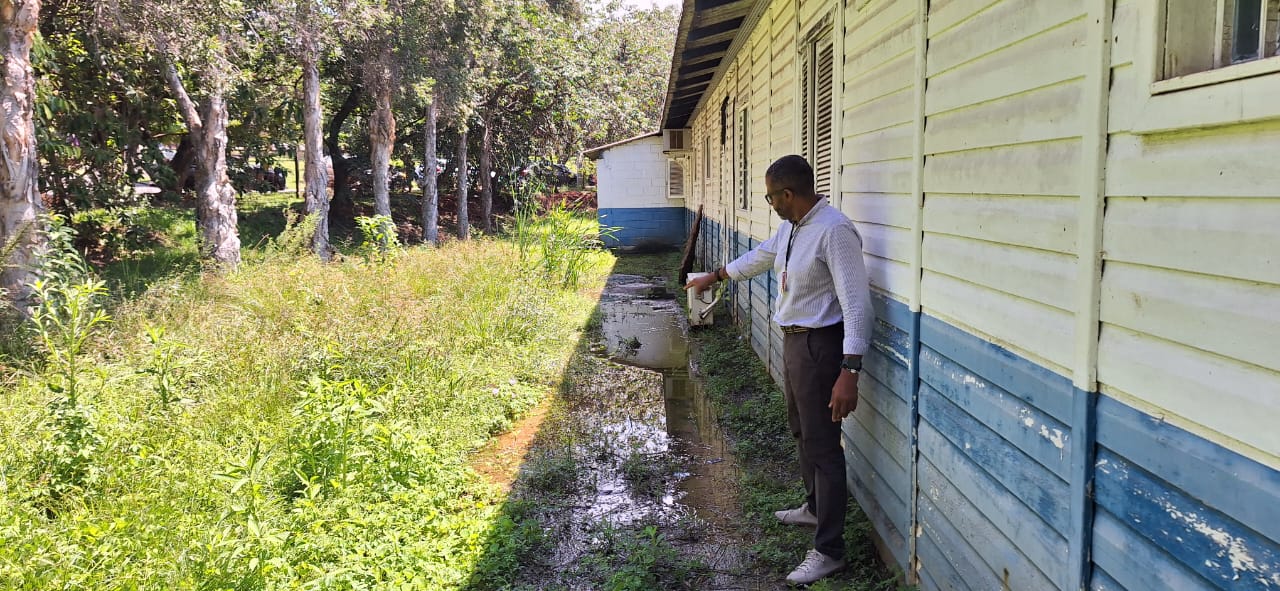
(647, 445)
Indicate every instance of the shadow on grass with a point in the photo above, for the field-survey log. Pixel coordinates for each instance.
(525, 547)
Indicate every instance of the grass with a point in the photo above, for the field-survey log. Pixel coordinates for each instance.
(294, 425)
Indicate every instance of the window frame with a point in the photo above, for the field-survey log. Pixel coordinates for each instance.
(1223, 69)
(1234, 95)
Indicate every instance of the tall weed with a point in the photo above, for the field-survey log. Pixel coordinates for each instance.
(67, 314)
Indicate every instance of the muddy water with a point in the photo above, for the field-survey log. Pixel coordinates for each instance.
(644, 326)
(634, 453)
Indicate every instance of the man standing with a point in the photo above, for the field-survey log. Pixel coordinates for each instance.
(824, 308)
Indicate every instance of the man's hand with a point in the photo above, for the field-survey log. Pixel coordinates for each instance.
(844, 396)
(703, 283)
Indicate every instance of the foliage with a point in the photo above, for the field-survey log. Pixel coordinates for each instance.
(559, 246)
(295, 425)
(67, 314)
(379, 241)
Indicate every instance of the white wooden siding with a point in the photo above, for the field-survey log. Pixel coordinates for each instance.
(1002, 171)
(1191, 287)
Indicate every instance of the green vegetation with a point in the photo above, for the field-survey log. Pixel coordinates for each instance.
(294, 425)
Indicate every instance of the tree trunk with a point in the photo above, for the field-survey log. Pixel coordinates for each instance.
(382, 132)
(316, 202)
(215, 198)
(181, 164)
(486, 179)
(342, 206)
(20, 204)
(430, 188)
(464, 182)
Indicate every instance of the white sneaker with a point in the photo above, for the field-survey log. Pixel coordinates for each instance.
(798, 516)
(816, 565)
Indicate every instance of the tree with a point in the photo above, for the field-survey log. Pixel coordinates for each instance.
(199, 40)
(20, 203)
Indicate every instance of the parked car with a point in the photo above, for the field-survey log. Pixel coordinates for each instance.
(549, 173)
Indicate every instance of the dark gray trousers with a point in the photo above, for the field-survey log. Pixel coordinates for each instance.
(811, 362)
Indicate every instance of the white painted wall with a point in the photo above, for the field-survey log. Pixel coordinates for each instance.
(634, 174)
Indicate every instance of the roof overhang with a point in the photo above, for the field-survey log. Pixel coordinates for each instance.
(598, 151)
(709, 34)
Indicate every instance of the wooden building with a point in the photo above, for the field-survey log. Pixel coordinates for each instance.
(1070, 211)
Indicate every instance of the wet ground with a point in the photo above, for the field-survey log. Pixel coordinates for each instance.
(632, 472)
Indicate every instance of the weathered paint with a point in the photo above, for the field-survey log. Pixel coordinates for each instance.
(1034, 210)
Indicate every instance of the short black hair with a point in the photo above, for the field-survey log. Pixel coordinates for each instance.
(792, 172)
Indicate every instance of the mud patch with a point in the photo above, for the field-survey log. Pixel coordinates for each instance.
(630, 482)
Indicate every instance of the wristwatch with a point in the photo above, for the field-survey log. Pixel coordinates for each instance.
(851, 364)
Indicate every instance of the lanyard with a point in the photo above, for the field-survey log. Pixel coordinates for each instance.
(786, 263)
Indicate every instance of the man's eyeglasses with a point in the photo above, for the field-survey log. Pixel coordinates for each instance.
(768, 197)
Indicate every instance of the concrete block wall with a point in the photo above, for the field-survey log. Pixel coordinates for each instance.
(633, 175)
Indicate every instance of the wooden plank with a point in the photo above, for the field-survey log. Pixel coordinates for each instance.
(1003, 25)
(1015, 544)
(999, 459)
(1155, 232)
(1127, 99)
(868, 27)
(888, 404)
(893, 312)
(1046, 223)
(1225, 396)
(875, 50)
(888, 372)
(1038, 275)
(1213, 546)
(926, 580)
(1022, 425)
(881, 433)
(889, 275)
(885, 209)
(1038, 332)
(889, 533)
(1101, 581)
(1046, 59)
(1222, 163)
(953, 547)
(897, 480)
(1194, 465)
(1135, 563)
(1043, 389)
(945, 14)
(886, 111)
(885, 241)
(895, 512)
(891, 143)
(1004, 170)
(1048, 113)
(888, 176)
(944, 576)
(862, 86)
(1124, 32)
(1236, 319)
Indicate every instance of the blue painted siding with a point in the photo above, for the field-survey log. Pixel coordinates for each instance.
(652, 226)
(1011, 478)
(1208, 516)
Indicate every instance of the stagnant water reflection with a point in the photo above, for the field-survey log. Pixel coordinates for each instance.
(643, 325)
(645, 449)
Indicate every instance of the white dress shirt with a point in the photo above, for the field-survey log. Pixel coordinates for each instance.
(825, 279)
